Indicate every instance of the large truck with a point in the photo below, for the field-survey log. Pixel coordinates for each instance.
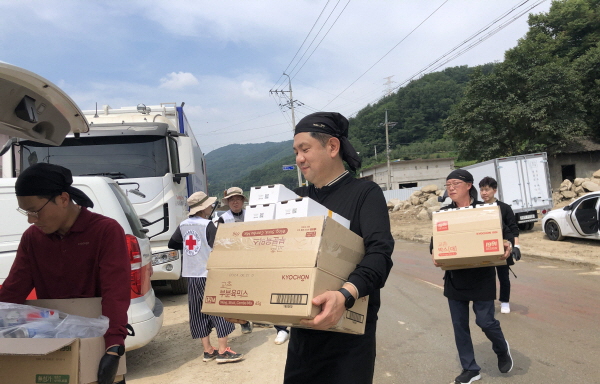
(151, 152)
(523, 183)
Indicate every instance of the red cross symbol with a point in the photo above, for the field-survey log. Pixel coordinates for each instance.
(191, 243)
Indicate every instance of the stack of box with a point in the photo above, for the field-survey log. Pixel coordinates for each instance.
(261, 205)
(75, 361)
(272, 202)
(269, 271)
(468, 237)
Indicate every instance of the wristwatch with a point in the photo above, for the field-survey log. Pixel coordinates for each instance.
(349, 302)
(118, 349)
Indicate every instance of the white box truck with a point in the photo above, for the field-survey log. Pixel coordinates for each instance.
(523, 183)
(151, 152)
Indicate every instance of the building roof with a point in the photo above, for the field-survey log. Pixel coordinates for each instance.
(581, 145)
(406, 162)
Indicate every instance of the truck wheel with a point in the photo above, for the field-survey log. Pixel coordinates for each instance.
(523, 227)
(553, 231)
(530, 226)
(179, 287)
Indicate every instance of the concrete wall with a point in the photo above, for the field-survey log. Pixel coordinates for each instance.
(585, 165)
(422, 172)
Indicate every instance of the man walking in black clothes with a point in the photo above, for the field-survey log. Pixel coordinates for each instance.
(321, 146)
(487, 189)
(477, 285)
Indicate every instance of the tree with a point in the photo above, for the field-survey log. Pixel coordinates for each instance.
(543, 96)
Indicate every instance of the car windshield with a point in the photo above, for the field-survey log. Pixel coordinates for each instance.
(121, 157)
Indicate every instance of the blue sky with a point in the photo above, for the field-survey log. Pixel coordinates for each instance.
(222, 57)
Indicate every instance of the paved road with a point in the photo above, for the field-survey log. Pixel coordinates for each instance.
(553, 329)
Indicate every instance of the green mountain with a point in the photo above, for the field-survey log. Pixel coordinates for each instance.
(228, 166)
(418, 109)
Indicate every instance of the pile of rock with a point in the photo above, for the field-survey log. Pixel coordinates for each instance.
(569, 191)
(420, 204)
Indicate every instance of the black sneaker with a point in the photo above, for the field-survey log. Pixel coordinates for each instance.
(247, 328)
(210, 356)
(467, 377)
(229, 356)
(505, 361)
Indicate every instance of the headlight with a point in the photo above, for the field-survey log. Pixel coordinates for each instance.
(164, 257)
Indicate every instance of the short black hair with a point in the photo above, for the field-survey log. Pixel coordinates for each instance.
(323, 138)
(488, 182)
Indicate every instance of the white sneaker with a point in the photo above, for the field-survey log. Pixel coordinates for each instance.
(282, 337)
(504, 308)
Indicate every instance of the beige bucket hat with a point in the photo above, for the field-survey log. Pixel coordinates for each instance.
(199, 201)
(233, 191)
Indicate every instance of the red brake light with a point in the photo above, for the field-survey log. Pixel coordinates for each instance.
(140, 274)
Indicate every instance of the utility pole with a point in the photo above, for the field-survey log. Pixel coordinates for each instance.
(387, 149)
(375, 152)
(292, 101)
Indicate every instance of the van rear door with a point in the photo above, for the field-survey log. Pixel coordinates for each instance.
(33, 108)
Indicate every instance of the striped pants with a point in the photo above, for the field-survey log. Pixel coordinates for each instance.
(201, 324)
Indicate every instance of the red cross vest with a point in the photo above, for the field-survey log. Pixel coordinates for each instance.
(195, 247)
(228, 217)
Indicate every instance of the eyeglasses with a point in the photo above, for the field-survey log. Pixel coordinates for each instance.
(453, 185)
(33, 214)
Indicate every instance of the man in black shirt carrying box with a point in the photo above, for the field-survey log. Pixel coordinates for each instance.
(477, 285)
(321, 146)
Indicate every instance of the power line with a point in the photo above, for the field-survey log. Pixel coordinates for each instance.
(472, 45)
(335, 21)
(243, 122)
(240, 130)
(301, 45)
(394, 47)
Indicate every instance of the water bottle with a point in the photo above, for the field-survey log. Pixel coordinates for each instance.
(17, 332)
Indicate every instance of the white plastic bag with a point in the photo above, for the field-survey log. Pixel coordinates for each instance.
(26, 321)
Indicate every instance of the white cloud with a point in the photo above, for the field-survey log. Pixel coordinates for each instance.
(178, 80)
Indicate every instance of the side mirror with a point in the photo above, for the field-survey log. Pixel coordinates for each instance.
(567, 208)
(186, 155)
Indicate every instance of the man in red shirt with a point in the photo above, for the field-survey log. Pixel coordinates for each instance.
(70, 252)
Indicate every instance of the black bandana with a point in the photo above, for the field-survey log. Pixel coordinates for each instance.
(460, 174)
(336, 125)
(43, 179)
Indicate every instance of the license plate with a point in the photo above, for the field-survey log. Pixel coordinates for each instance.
(525, 217)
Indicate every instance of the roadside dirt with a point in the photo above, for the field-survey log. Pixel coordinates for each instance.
(174, 358)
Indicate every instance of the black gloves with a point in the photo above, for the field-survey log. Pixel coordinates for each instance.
(108, 368)
(516, 254)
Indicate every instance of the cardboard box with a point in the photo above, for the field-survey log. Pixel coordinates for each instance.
(279, 296)
(270, 194)
(468, 237)
(306, 207)
(269, 271)
(303, 242)
(260, 212)
(72, 361)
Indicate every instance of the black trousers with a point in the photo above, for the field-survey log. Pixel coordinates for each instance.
(484, 318)
(504, 279)
(319, 357)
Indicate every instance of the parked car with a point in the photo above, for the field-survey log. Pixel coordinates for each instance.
(33, 108)
(578, 219)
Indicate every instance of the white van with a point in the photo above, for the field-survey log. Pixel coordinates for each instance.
(33, 108)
